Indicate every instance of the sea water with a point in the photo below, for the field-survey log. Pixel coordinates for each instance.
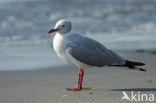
(118, 24)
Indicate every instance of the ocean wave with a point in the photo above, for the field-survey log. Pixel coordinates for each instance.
(30, 21)
(16, 40)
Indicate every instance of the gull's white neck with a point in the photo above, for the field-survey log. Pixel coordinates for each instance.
(59, 42)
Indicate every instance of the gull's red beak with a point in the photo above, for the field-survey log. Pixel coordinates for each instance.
(52, 30)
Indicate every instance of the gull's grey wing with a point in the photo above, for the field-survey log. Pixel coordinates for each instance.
(92, 53)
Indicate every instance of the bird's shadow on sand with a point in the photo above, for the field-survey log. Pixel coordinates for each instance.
(135, 89)
(128, 89)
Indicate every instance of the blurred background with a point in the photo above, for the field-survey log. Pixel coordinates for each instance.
(118, 24)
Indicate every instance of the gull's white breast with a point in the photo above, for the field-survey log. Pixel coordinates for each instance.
(60, 43)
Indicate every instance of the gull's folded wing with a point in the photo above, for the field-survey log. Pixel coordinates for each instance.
(92, 53)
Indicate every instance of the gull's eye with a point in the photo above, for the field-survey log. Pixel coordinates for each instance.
(63, 25)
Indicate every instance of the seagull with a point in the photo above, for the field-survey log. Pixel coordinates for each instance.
(84, 52)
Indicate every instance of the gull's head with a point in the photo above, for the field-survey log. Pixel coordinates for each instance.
(62, 26)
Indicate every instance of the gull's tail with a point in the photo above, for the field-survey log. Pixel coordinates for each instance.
(132, 65)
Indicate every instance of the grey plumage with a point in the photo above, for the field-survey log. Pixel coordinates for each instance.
(91, 52)
(83, 51)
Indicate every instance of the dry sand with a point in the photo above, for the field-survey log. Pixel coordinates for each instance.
(48, 85)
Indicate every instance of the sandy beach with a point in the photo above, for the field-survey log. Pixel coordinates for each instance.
(48, 85)
(31, 72)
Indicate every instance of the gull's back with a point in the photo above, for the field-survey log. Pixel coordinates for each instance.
(91, 52)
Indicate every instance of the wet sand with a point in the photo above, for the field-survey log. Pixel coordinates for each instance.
(48, 85)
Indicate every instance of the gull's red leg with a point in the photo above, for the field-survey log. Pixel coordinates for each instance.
(79, 84)
(81, 78)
